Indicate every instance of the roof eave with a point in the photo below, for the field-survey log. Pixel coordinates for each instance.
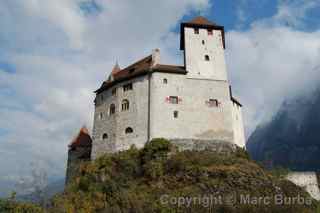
(142, 73)
(205, 26)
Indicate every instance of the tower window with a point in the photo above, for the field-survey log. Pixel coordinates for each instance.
(127, 87)
(207, 58)
(129, 130)
(112, 109)
(196, 30)
(125, 105)
(203, 42)
(105, 136)
(175, 114)
(114, 91)
(213, 103)
(165, 81)
(100, 115)
(210, 32)
(173, 100)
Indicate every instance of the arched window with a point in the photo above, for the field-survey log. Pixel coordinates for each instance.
(125, 105)
(207, 58)
(165, 81)
(112, 109)
(105, 136)
(203, 42)
(129, 130)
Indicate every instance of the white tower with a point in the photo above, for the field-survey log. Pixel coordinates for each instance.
(203, 43)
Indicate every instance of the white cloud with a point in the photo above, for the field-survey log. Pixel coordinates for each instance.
(61, 55)
(272, 62)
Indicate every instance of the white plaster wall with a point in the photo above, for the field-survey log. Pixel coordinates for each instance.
(196, 120)
(238, 127)
(195, 52)
(115, 125)
(307, 180)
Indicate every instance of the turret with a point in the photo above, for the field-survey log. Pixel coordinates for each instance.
(79, 151)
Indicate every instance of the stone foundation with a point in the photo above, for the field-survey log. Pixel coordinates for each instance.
(217, 146)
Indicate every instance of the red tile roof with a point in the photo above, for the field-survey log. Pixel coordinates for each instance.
(139, 68)
(200, 20)
(83, 139)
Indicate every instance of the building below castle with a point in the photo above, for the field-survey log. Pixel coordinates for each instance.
(190, 104)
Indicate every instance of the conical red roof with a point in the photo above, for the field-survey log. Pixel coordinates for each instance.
(116, 69)
(83, 139)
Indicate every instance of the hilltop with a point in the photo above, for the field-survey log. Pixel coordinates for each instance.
(159, 178)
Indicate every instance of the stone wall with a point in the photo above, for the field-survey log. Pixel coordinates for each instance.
(196, 119)
(76, 156)
(222, 147)
(238, 126)
(114, 125)
(306, 180)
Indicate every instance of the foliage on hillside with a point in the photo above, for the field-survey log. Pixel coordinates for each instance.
(11, 206)
(149, 180)
(137, 180)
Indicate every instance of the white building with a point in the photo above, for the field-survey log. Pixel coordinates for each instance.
(186, 103)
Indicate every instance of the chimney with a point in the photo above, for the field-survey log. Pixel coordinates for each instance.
(155, 57)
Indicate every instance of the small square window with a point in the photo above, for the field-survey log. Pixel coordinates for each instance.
(207, 58)
(196, 30)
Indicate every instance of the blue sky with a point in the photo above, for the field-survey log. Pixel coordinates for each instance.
(54, 54)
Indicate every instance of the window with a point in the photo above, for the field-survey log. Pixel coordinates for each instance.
(112, 109)
(210, 32)
(196, 30)
(125, 105)
(175, 114)
(127, 87)
(165, 81)
(207, 58)
(114, 91)
(100, 115)
(203, 42)
(102, 97)
(105, 136)
(129, 130)
(213, 103)
(173, 100)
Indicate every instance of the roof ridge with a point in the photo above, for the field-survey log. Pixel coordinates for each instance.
(139, 61)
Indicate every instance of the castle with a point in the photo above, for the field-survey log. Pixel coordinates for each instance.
(186, 104)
